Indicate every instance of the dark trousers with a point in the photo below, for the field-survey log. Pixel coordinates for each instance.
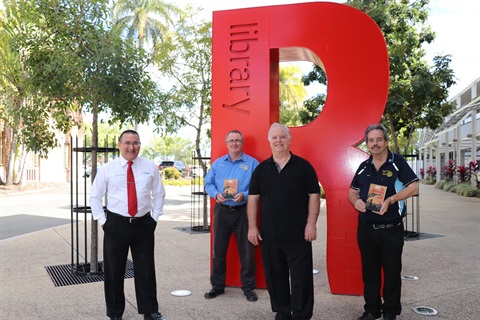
(381, 248)
(288, 267)
(226, 222)
(120, 236)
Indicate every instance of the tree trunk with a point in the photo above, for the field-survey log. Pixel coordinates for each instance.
(94, 226)
(393, 133)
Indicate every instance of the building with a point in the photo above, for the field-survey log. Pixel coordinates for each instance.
(458, 138)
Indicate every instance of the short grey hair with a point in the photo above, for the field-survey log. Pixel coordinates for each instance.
(276, 125)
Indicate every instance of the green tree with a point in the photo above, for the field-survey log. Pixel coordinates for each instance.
(184, 56)
(144, 20)
(418, 91)
(169, 148)
(292, 94)
(72, 60)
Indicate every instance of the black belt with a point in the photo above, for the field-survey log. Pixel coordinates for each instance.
(128, 219)
(382, 226)
(234, 207)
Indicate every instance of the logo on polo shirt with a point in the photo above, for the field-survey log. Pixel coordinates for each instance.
(387, 173)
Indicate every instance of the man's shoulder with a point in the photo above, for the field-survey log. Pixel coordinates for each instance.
(247, 157)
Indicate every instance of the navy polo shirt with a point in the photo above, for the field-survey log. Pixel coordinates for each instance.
(395, 174)
(284, 197)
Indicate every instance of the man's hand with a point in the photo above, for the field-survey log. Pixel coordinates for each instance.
(254, 236)
(310, 233)
(220, 198)
(360, 205)
(238, 197)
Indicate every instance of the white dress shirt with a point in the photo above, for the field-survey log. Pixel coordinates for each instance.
(111, 179)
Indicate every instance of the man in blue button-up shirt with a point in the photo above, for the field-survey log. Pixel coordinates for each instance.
(227, 182)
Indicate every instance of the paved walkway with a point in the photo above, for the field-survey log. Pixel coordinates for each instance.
(35, 233)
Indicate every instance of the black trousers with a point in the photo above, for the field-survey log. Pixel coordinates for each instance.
(226, 222)
(381, 249)
(120, 236)
(288, 267)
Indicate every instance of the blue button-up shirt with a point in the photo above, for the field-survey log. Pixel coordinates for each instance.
(223, 168)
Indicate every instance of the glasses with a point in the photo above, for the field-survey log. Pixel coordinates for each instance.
(234, 141)
(134, 144)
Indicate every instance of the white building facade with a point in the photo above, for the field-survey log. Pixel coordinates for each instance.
(458, 138)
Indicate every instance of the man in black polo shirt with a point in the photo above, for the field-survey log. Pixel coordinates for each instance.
(289, 194)
(378, 189)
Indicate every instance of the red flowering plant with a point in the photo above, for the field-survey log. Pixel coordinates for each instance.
(463, 174)
(474, 168)
(422, 173)
(432, 173)
(449, 170)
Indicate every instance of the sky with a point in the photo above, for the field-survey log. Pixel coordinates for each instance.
(454, 22)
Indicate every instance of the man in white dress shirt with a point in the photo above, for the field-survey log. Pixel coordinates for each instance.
(126, 228)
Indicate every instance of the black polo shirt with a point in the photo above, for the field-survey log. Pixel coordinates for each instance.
(395, 174)
(284, 197)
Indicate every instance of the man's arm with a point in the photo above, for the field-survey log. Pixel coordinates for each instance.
(97, 192)
(252, 214)
(354, 198)
(313, 212)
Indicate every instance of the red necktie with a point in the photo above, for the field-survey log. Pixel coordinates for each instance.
(132, 191)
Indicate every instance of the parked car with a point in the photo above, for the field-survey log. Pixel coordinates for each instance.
(179, 165)
(87, 171)
(196, 171)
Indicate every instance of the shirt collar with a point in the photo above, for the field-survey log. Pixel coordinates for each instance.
(242, 157)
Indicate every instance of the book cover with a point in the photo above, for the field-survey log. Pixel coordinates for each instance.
(230, 188)
(376, 196)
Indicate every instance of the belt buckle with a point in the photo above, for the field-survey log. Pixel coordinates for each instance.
(131, 220)
(374, 225)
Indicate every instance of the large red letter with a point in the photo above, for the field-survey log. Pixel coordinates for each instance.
(247, 47)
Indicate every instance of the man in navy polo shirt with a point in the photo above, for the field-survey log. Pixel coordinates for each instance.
(287, 188)
(378, 189)
(227, 182)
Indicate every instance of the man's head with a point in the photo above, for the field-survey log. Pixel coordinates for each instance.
(376, 138)
(234, 141)
(279, 137)
(129, 145)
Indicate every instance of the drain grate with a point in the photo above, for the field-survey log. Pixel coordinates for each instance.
(63, 275)
(420, 236)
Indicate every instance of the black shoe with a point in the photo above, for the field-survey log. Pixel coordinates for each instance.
(281, 316)
(213, 293)
(389, 316)
(251, 295)
(154, 316)
(367, 316)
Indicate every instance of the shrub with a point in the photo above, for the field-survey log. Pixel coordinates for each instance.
(448, 186)
(439, 185)
(463, 174)
(432, 174)
(466, 190)
(171, 173)
(422, 173)
(449, 170)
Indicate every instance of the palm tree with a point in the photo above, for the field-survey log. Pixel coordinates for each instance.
(145, 20)
(292, 94)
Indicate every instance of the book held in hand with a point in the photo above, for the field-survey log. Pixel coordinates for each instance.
(376, 196)
(230, 188)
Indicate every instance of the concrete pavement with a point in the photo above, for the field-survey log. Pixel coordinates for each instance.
(35, 233)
